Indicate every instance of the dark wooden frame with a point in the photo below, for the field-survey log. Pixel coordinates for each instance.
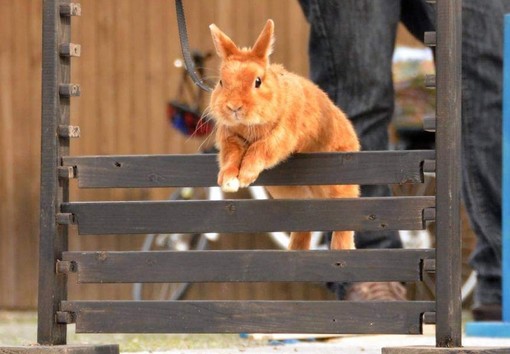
(56, 72)
(448, 144)
(57, 214)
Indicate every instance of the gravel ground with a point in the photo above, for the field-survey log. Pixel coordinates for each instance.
(19, 329)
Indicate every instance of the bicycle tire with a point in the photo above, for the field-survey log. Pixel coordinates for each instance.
(152, 242)
(468, 244)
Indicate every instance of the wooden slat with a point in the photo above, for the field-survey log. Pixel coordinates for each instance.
(249, 266)
(201, 170)
(400, 213)
(344, 317)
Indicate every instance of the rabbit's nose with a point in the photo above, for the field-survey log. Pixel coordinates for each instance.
(234, 108)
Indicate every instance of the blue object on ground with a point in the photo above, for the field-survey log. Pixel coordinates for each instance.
(283, 342)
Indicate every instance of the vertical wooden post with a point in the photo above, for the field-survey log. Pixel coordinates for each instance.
(54, 191)
(448, 143)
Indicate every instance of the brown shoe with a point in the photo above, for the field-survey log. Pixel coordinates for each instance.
(376, 291)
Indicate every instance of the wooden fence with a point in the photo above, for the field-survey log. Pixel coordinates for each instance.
(127, 75)
(58, 213)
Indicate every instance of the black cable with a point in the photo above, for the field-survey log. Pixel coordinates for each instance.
(183, 36)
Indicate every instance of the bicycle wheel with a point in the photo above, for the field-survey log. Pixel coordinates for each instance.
(169, 242)
(426, 239)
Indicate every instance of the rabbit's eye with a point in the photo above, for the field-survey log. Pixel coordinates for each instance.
(258, 82)
(221, 83)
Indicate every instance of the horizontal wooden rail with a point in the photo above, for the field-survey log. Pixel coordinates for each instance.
(375, 167)
(398, 213)
(344, 317)
(249, 266)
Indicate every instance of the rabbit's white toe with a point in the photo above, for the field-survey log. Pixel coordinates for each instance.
(230, 185)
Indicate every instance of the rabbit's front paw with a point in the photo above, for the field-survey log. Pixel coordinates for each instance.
(227, 179)
(247, 177)
(230, 185)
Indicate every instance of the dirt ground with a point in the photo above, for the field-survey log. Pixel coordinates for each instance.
(20, 329)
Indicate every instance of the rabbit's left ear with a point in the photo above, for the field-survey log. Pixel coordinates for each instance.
(263, 47)
(225, 47)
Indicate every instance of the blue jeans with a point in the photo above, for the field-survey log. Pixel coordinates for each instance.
(351, 46)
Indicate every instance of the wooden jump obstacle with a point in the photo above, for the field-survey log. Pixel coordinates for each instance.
(402, 213)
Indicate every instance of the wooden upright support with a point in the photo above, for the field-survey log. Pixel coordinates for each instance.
(57, 92)
(54, 190)
(448, 113)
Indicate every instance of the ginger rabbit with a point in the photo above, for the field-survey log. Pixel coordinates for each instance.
(264, 114)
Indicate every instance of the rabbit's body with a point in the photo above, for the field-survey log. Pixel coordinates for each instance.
(264, 114)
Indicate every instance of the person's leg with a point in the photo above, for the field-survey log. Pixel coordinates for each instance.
(350, 50)
(482, 39)
(343, 49)
(418, 16)
(481, 139)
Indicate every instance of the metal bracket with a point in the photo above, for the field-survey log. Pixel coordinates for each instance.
(430, 81)
(429, 166)
(66, 172)
(429, 123)
(66, 267)
(429, 39)
(429, 318)
(65, 219)
(72, 9)
(429, 214)
(65, 317)
(429, 265)
(69, 131)
(69, 90)
(70, 50)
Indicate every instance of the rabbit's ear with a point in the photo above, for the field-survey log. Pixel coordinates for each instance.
(225, 47)
(263, 47)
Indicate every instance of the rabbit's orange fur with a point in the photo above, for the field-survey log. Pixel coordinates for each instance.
(259, 127)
